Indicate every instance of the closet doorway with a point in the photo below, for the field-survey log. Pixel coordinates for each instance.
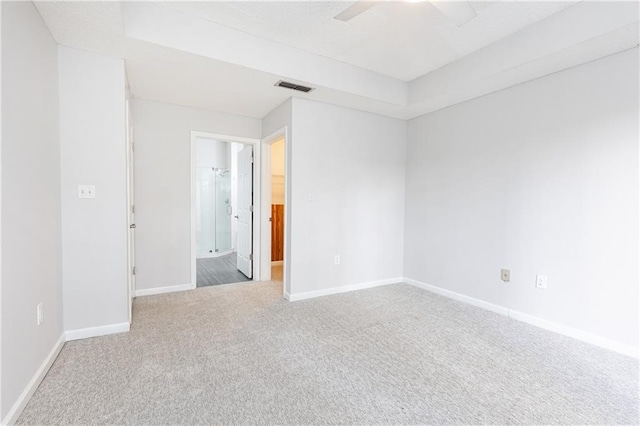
(277, 208)
(276, 203)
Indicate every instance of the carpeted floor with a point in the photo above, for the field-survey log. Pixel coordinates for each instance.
(394, 354)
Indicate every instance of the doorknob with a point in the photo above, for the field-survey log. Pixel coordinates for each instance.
(132, 226)
(236, 216)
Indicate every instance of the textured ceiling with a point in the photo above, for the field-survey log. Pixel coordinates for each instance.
(400, 39)
(506, 44)
(159, 73)
(168, 75)
(190, 80)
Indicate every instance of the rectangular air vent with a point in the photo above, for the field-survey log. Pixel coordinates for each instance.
(293, 86)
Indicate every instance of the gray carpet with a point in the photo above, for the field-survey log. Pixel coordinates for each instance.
(218, 270)
(394, 354)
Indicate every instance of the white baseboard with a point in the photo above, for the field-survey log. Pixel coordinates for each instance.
(575, 333)
(277, 262)
(27, 393)
(25, 396)
(103, 330)
(459, 297)
(532, 320)
(343, 289)
(162, 290)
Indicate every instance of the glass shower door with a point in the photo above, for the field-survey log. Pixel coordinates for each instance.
(223, 210)
(205, 211)
(213, 211)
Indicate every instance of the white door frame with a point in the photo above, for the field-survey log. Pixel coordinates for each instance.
(257, 211)
(265, 262)
(131, 279)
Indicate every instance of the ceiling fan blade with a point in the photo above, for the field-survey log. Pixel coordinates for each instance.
(460, 12)
(354, 10)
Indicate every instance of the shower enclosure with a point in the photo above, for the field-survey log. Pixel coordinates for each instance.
(213, 211)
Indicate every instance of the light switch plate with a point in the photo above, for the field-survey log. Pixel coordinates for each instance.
(39, 313)
(505, 275)
(86, 191)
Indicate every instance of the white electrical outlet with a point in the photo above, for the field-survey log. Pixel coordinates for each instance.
(541, 281)
(40, 313)
(336, 260)
(505, 275)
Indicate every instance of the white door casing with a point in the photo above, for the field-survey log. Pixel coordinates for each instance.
(131, 214)
(265, 200)
(266, 208)
(245, 211)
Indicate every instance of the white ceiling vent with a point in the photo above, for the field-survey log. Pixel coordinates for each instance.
(294, 86)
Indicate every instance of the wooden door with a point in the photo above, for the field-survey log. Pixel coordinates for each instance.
(277, 232)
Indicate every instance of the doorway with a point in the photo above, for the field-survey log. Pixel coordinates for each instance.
(222, 202)
(277, 208)
(276, 196)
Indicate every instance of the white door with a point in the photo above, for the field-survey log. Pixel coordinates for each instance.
(131, 246)
(245, 211)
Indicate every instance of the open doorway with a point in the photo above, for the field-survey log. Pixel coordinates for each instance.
(223, 181)
(277, 208)
(276, 225)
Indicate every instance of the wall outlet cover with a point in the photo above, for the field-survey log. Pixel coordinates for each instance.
(541, 282)
(505, 275)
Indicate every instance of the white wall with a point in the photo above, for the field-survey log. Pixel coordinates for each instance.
(162, 135)
(277, 157)
(541, 178)
(277, 189)
(93, 150)
(212, 153)
(347, 196)
(277, 172)
(30, 198)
